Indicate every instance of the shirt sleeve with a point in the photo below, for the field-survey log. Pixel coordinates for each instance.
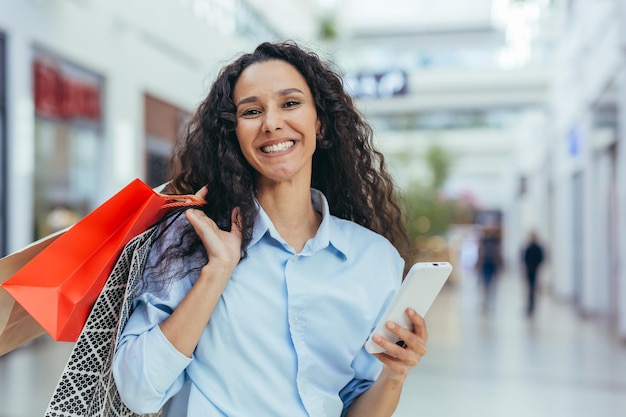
(148, 370)
(366, 366)
(351, 391)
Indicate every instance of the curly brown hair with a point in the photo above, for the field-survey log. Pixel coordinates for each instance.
(347, 167)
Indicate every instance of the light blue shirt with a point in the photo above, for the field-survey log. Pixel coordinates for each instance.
(286, 337)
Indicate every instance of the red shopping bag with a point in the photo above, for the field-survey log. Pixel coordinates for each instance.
(59, 285)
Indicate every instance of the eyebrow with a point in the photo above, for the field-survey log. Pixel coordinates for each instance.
(283, 92)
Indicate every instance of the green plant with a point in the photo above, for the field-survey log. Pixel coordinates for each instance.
(428, 212)
(439, 161)
(328, 28)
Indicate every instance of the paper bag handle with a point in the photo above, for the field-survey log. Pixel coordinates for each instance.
(188, 200)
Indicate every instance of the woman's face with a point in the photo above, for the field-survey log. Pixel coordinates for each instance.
(276, 122)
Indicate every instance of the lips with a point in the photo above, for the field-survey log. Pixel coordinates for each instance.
(278, 147)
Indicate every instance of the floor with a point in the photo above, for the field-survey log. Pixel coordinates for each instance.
(504, 364)
(478, 365)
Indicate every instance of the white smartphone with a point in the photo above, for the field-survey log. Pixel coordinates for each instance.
(419, 289)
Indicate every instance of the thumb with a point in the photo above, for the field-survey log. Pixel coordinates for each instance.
(236, 222)
(202, 192)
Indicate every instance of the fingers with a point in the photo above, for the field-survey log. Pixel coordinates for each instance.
(419, 324)
(393, 350)
(401, 357)
(236, 222)
(202, 192)
(219, 244)
(414, 339)
(419, 331)
(204, 226)
(198, 217)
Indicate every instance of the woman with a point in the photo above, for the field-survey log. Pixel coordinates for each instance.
(259, 304)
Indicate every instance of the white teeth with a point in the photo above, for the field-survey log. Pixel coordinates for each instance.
(278, 147)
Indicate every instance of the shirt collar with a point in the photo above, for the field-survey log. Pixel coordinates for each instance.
(328, 234)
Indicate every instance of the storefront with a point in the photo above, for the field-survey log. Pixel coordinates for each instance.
(164, 123)
(68, 141)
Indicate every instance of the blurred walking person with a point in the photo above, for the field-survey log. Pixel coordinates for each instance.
(488, 265)
(533, 258)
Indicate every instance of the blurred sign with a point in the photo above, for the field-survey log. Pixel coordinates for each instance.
(377, 85)
(61, 93)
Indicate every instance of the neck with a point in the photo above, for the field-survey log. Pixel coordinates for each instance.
(291, 211)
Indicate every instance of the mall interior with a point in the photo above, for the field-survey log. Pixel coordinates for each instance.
(500, 115)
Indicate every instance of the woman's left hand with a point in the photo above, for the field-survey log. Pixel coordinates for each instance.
(399, 360)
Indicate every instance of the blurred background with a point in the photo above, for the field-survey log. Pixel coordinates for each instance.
(498, 118)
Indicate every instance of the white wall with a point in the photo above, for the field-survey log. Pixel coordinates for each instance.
(589, 64)
(621, 201)
(620, 14)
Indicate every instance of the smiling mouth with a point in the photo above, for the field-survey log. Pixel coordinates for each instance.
(278, 147)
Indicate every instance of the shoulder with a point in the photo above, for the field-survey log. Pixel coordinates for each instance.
(354, 230)
(344, 231)
(353, 238)
(372, 263)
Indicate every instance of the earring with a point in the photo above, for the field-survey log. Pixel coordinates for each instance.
(323, 143)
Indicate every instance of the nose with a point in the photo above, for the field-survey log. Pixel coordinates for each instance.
(272, 121)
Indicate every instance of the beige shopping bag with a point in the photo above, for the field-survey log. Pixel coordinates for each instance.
(16, 325)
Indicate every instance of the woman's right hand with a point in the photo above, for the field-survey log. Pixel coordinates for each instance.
(185, 325)
(223, 247)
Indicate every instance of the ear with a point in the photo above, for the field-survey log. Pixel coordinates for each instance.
(318, 127)
(322, 143)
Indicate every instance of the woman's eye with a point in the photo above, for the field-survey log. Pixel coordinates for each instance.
(250, 112)
(291, 103)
